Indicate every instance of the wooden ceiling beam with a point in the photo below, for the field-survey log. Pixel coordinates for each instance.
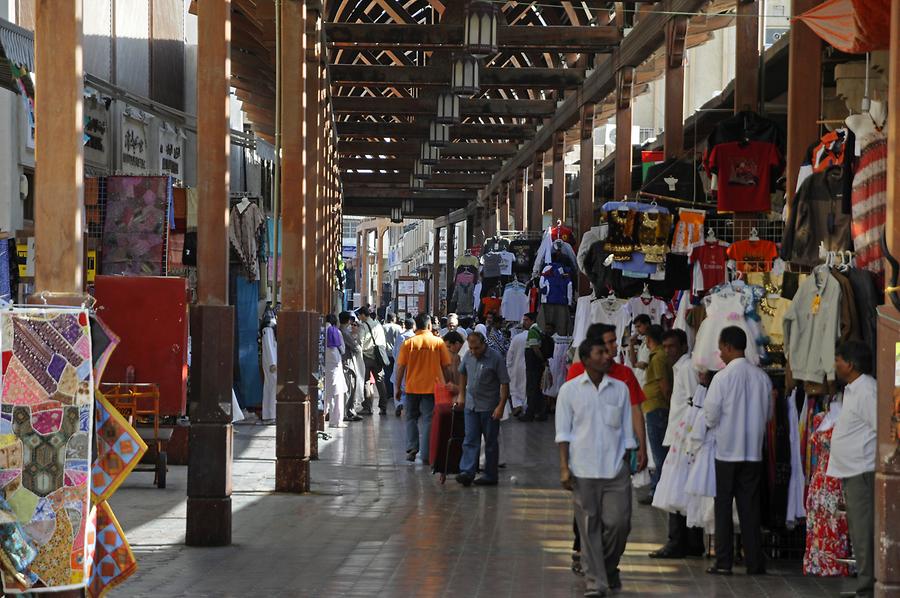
(450, 37)
(454, 180)
(352, 191)
(467, 106)
(445, 165)
(424, 76)
(369, 129)
(413, 148)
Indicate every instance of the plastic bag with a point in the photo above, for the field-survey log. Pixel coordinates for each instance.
(641, 479)
(442, 394)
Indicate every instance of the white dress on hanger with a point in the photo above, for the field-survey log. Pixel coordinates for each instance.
(700, 484)
(725, 309)
(796, 510)
(270, 375)
(515, 366)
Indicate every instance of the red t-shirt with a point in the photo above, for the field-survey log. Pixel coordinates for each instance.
(753, 256)
(711, 259)
(619, 372)
(744, 175)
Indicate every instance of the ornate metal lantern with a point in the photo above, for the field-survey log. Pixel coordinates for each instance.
(438, 135)
(448, 109)
(429, 155)
(464, 76)
(481, 28)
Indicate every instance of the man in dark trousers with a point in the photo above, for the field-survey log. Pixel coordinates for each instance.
(483, 393)
(535, 361)
(737, 407)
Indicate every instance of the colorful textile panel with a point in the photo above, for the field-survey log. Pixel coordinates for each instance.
(112, 559)
(134, 233)
(119, 449)
(45, 440)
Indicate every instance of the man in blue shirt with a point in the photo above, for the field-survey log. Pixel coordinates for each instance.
(593, 430)
(484, 382)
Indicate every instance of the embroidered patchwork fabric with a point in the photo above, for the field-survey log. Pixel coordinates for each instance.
(103, 342)
(136, 225)
(119, 449)
(45, 446)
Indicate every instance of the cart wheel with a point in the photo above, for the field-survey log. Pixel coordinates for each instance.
(161, 469)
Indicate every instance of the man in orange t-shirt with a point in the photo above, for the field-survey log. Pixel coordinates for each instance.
(424, 359)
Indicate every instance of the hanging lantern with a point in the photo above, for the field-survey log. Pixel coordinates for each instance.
(407, 206)
(421, 171)
(438, 134)
(448, 109)
(415, 183)
(464, 76)
(396, 216)
(481, 28)
(430, 155)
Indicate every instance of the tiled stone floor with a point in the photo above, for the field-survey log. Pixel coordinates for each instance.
(375, 525)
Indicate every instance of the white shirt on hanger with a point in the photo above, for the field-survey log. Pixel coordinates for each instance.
(514, 303)
(596, 422)
(738, 404)
(854, 437)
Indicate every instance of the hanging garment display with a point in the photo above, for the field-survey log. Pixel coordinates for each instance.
(515, 365)
(816, 217)
(700, 483)
(834, 148)
(463, 298)
(753, 255)
(270, 371)
(796, 509)
(869, 202)
(562, 233)
(653, 236)
(708, 260)
(811, 327)
(246, 346)
(112, 560)
(688, 230)
(136, 225)
(654, 307)
(514, 303)
(725, 308)
(827, 532)
(119, 449)
(677, 179)
(467, 260)
(744, 172)
(524, 253)
(245, 229)
(556, 285)
(46, 404)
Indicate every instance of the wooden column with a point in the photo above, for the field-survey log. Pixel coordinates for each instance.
(504, 205)
(212, 321)
(676, 33)
(536, 202)
(59, 151)
(313, 153)
(558, 189)
(887, 461)
(292, 446)
(451, 259)
(804, 83)
(379, 267)
(624, 83)
(519, 200)
(746, 65)
(586, 189)
(436, 272)
(365, 269)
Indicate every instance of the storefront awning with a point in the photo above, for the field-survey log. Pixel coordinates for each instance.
(17, 44)
(852, 26)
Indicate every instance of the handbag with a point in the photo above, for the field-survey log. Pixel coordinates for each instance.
(382, 359)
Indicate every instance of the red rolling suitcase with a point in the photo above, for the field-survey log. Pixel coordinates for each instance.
(448, 429)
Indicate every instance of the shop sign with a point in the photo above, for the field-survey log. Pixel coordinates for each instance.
(348, 252)
(135, 145)
(96, 131)
(26, 258)
(171, 149)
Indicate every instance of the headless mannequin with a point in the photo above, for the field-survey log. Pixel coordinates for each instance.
(868, 123)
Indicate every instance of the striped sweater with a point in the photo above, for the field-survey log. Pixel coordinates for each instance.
(868, 202)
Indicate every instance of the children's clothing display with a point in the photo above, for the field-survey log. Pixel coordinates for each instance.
(688, 230)
(723, 310)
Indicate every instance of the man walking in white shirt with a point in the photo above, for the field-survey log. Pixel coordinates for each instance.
(738, 404)
(683, 541)
(853, 455)
(593, 430)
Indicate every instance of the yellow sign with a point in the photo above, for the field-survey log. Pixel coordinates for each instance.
(22, 250)
(91, 264)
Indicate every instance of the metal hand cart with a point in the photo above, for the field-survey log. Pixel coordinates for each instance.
(139, 404)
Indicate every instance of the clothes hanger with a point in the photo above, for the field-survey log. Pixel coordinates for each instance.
(711, 236)
(754, 234)
(645, 294)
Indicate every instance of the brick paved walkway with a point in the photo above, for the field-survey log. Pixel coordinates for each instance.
(375, 525)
